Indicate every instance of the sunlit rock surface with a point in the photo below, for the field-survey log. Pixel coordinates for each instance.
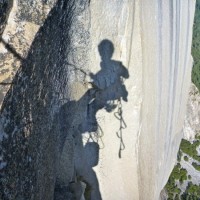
(94, 92)
(166, 79)
(192, 123)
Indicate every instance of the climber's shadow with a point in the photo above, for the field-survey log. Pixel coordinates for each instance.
(79, 117)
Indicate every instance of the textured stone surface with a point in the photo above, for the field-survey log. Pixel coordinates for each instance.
(5, 7)
(31, 142)
(191, 123)
(95, 92)
(167, 63)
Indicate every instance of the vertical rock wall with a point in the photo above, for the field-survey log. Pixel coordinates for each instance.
(167, 67)
(31, 132)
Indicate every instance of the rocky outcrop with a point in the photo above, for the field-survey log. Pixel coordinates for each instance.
(5, 7)
(94, 92)
(191, 123)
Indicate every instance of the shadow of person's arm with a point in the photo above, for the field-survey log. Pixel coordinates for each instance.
(94, 83)
(92, 76)
(125, 73)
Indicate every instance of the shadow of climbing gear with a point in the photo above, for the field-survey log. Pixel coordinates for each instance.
(119, 133)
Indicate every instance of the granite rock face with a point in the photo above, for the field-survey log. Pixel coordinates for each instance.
(92, 92)
(5, 8)
(40, 88)
(167, 63)
(191, 123)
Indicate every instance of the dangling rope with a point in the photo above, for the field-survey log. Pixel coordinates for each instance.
(119, 116)
(98, 137)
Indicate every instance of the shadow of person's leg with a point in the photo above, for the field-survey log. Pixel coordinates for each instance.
(92, 180)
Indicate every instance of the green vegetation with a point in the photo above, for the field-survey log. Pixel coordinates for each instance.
(179, 155)
(178, 174)
(176, 197)
(190, 149)
(193, 189)
(197, 167)
(197, 136)
(192, 192)
(196, 47)
(185, 158)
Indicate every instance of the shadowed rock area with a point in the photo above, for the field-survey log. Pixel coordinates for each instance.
(30, 145)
